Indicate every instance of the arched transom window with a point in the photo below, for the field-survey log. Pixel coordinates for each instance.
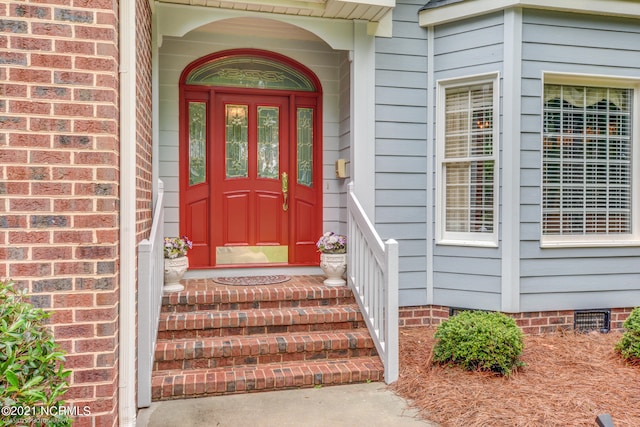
(250, 72)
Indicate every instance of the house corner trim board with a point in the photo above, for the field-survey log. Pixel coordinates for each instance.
(511, 164)
(127, 319)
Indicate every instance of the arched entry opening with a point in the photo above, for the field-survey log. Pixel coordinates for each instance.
(250, 160)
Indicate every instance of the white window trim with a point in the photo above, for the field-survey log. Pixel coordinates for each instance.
(612, 240)
(444, 237)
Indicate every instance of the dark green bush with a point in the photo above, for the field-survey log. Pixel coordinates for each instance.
(478, 340)
(629, 345)
(32, 375)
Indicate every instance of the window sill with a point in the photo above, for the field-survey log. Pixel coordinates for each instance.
(588, 244)
(468, 243)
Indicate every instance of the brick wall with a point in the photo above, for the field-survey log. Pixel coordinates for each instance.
(144, 119)
(539, 322)
(59, 181)
(144, 137)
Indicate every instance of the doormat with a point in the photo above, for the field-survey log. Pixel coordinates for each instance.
(251, 280)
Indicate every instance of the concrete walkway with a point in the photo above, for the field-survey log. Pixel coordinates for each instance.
(368, 405)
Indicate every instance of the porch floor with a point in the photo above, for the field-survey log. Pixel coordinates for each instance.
(217, 339)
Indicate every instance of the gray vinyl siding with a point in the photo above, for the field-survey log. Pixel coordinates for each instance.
(472, 46)
(401, 134)
(468, 277)
(335, 190)
(570, 278)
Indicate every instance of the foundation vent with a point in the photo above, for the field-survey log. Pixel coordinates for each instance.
(457, 310)
(592, 320)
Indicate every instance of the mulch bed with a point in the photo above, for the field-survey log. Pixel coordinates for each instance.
(569, 379)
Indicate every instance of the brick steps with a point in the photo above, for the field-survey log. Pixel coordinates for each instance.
(215, 339)
(242, 379)
(252, 322)
(260, 349)
(247, 298)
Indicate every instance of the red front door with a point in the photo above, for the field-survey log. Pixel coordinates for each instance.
(251, 171)
(250, 178)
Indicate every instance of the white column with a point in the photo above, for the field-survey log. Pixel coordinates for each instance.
(363, 117)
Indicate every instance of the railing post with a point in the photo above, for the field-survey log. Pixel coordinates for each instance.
(391, 321)
(145, 328)
(373, 277)
(150, 267)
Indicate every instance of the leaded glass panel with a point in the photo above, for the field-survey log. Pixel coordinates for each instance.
(237, 141)
(305, 146)
(268, 142)
(197, 142)
(250, 72)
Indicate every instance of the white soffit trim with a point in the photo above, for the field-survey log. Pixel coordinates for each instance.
(369, 10)
(468, 9)
(383, 3)
(382, 28)
(177, 20)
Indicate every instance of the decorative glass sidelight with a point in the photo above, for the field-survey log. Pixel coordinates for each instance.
(305, 146)
(237, 141)
(197, 142)
(268, 142)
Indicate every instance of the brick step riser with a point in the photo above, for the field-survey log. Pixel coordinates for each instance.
(265, 378)
(265, 345)
(257, 330)
(232, 296)
(255, 305)
(224, 362)
(257, 318)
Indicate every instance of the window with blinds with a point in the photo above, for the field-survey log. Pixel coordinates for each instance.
(586, 161)
(467, 157)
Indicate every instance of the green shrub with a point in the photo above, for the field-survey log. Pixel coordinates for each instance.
(477, 340)
(629, 345)
(32, 375)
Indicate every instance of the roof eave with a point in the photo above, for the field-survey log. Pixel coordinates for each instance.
(451, 12)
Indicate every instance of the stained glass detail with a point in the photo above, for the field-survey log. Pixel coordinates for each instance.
(237, 141)
(305, 146)
(250, 72)
(197, 142)
(268, 142)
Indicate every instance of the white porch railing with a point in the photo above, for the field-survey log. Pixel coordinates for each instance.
(373, 276)
(150, 278)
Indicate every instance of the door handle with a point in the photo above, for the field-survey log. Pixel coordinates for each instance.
(285, 191)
